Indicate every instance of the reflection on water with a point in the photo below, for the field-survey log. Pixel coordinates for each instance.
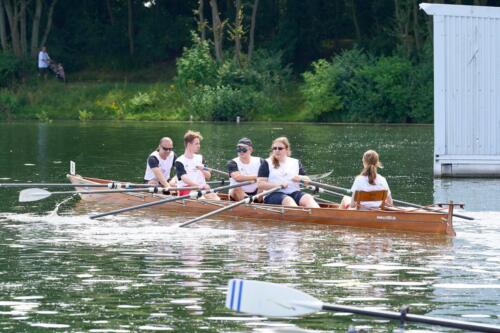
(478, 194)
(139, 272)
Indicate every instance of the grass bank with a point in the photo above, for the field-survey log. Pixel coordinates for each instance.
(108, 98)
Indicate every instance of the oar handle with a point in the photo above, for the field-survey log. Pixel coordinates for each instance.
(192, 195)
(414, 318)
(247, 200)
(217, 171)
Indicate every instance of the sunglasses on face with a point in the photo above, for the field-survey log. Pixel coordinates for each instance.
(167, 148)
(241, 149)
(278, 148)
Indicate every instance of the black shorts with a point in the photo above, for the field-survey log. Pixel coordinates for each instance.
(276, 198)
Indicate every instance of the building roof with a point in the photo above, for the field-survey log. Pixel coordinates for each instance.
(461, 10)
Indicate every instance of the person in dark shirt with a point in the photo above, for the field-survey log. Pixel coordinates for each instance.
(243, 168)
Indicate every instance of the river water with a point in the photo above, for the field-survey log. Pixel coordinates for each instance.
(138, 272)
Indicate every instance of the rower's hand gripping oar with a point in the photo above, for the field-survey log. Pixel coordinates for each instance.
(191, 195)
(276, 300)
(328, 187)
(247, 200)
(35, 194)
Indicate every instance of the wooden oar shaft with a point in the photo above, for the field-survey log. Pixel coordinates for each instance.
(414, 318)
(247, 200)
(192, 195)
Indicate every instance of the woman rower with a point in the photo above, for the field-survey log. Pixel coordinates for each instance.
(368, 181)
(281, 169)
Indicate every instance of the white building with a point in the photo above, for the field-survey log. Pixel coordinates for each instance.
(466, 90)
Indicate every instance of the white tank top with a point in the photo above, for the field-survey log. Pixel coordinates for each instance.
(286, 171)
(192, 172)
(250, 169)
(165, 165)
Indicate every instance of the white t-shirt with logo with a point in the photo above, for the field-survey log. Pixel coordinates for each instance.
(361, 184)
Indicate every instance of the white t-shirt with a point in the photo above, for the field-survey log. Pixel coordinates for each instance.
(43, 59)
(361, 184)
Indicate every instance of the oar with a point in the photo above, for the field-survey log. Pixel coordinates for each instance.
(217, 171)
(312, 177)
(35, 194)
(192, 195)
(328, 187)
(247, 200)
(276, 300)
(108, 185)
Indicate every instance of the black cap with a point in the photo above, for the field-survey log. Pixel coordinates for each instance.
(245, 141)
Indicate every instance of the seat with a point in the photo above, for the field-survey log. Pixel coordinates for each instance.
(360, 196)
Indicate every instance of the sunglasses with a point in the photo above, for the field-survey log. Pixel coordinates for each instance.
(241, 149)
(278, 148)
(167, 148)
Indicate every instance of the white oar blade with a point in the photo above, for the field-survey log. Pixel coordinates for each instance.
(33, 194)
(269, 299)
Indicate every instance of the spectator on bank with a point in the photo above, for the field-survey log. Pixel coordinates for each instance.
(43, 62)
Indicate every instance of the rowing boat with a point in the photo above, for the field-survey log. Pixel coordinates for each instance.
(406, 220)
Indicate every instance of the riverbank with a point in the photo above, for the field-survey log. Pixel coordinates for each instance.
(149, 94)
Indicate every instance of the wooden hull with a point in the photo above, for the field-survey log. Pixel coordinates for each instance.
(401, 220)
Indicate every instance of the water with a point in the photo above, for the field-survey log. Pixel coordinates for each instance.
(62, 272)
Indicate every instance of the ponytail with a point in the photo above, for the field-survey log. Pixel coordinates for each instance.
(371, 163)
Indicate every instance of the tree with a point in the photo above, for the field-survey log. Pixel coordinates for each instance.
(20, 20)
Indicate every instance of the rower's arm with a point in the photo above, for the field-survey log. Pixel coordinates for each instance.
(159, 175)
(264, 184)
(236, 175)
(188, 181)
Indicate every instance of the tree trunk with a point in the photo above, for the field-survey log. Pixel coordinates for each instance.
(252, 30)
(355, 19)
(130, 29)
(201, 20)
(416, 28)
(238, 31)
(49, 23)
(35, 30)
(3, 32)
(217, 30)
(22, 21)
(11, 11)
(110, 12)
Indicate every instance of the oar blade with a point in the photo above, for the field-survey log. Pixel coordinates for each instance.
(33, 194)
(269, 299)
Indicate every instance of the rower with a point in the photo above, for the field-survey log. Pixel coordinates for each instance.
(368, 181)
(159, 164)
(242, 168)
(190, 167)
(282, 170)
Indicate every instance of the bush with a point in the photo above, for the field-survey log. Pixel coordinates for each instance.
(11, 68)
(142, 101)
(357, 87)
(196, 65)
(221, 103)
(9, 104)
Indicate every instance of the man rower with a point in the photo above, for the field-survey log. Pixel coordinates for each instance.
(243, 168)
(159, 164)
(190, 166)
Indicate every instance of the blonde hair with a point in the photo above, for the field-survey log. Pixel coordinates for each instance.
(286, 143)
(190, 136)
(371, 162)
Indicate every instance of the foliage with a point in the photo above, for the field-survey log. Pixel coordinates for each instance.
(10, 68)
(85, 115)
(196, 65)
(357, 87)
(43, 116)
(221, 103)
